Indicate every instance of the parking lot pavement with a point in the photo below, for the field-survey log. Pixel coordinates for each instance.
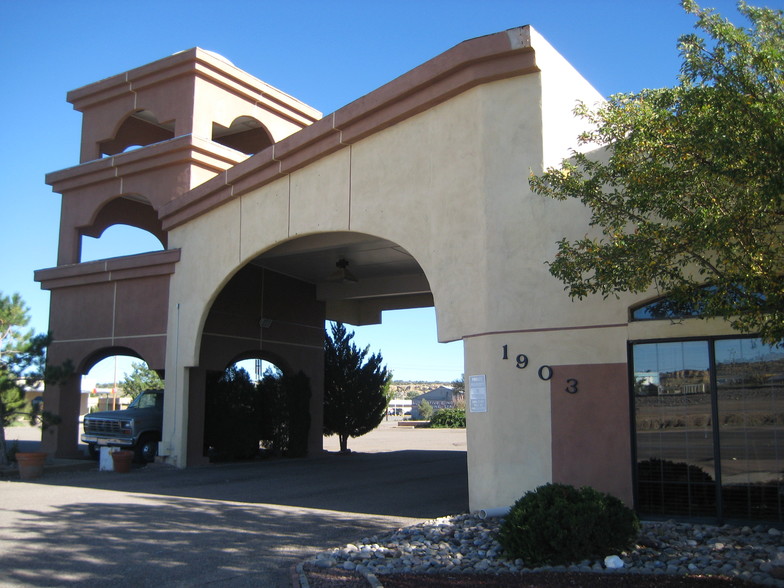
(240, 524)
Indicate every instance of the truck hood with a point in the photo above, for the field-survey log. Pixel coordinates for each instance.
(128, 413)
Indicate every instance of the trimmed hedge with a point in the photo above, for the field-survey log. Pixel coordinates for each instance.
(560, 524)
(449, 418)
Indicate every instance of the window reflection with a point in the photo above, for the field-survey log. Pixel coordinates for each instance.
(673, 403)
(674, 434)
(751, 427)
(667, 308)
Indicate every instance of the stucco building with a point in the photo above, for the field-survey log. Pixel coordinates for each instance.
(421, 187)
(437, 398)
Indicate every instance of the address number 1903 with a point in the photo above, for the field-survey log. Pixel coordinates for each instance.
(545, 372)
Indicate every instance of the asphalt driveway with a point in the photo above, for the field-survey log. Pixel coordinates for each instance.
(224, 525)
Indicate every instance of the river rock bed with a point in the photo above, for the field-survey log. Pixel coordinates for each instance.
(466, 544)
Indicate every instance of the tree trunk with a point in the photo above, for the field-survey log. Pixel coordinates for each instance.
(343, 443)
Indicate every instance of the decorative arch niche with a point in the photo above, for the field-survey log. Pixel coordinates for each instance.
(245, 134)
(131, 210)
(140, 128)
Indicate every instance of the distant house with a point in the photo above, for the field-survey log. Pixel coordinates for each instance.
(438, 398)
(399, 407)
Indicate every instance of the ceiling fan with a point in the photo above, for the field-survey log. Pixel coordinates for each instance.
(342, 274)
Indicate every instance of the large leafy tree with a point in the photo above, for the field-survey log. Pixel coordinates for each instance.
(140, 379)
(22, 362)
(686, 187)
(356, 387)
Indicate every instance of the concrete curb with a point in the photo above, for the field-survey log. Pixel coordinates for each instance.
(299, 577)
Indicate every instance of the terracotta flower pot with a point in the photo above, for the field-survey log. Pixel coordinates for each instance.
(122, 461)
(30, 464)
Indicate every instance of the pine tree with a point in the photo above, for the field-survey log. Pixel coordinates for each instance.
(22, 361)
(356, 387)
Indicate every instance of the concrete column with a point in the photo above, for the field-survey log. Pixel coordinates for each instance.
(89, 147)
(63, 400)
(196, 399)
(310, 361)
(508, 433)
(316, 434)
(174, 439)
(69, 250)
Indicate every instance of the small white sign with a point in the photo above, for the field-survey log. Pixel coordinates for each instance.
(477, 393)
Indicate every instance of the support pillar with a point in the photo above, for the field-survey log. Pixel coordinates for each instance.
(62, 440)
(196, 400)
(316, 433)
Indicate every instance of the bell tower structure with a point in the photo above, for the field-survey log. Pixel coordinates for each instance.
(149, 136)
(190, 115)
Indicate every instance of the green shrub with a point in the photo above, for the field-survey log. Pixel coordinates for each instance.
(449, 418)
(560, 524)
(425, 410)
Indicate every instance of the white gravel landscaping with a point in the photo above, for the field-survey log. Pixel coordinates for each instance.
(466, 543)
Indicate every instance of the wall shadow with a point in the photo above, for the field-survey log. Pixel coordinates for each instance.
(410, 483)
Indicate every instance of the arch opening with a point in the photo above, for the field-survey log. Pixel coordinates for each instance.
(119, 241)
(246, 410)
(257, 367)
(275, 307)
(125, 225)
(245, 134)
(117, 372)
(118, 378)
(140, 129)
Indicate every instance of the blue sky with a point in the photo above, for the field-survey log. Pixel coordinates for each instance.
(326, 53)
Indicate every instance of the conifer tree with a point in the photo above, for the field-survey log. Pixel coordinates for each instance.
(22, 362)
(356, 387)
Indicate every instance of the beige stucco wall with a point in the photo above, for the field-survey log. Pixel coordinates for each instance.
(510, 445)
(214, 104)
(450, 185)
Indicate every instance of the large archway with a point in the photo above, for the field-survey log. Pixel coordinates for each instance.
(275, 307)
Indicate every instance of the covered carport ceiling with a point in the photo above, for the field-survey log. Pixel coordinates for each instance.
(387, 276)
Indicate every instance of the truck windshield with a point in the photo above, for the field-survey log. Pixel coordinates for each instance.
(149, 399)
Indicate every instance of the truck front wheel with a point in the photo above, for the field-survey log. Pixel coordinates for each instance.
(146, 449)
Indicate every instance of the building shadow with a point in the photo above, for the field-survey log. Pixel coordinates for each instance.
(410, 483)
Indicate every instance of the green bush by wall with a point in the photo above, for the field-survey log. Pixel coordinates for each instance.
(449, 418)
(560, 524)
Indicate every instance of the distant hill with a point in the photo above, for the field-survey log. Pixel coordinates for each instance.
(402, 389)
